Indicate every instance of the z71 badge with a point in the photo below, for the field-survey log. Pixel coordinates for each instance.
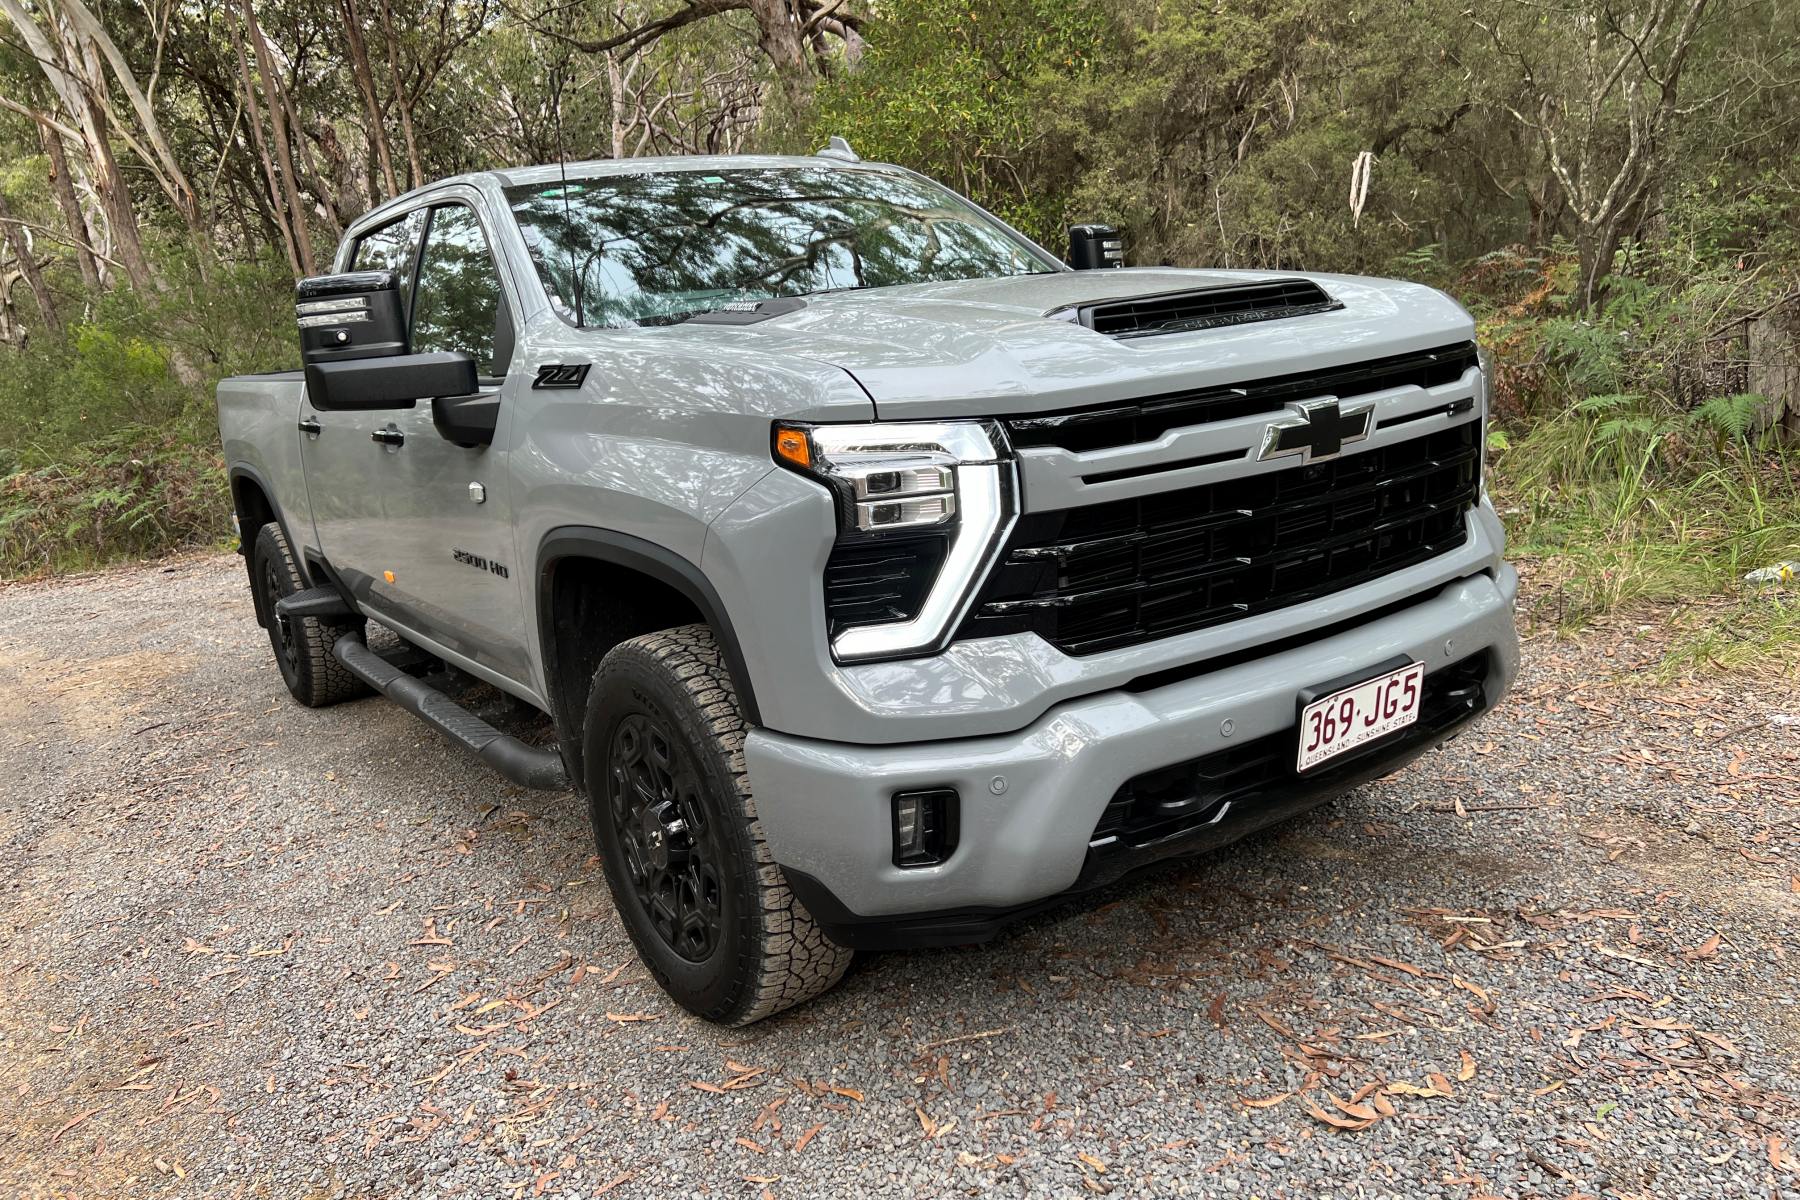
(480, 563)
(556, 376)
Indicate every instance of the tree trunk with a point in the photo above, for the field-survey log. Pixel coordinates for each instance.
(415, 169)
(778, 35)
(283, 136)
(365, 83)
(254, 112)
(20, 241)
(615, 79)
(115, 200)
(63, 188)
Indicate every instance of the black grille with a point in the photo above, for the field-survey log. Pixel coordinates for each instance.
(1179, 799)
(880, 580)
(1126, 571)
(1147, 419)
(1203, 308)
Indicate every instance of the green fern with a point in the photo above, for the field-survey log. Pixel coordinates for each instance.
(1616, 429)
(1730, 418)
(1606, 402)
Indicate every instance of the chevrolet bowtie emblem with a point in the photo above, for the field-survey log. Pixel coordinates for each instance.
(1317, 429)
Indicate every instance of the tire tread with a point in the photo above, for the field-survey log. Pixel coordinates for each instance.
(791, 960)
(321, 679)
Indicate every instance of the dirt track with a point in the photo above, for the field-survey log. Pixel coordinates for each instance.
(247, 949)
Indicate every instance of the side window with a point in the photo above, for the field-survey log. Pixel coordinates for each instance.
(393, 247)
(458, 305)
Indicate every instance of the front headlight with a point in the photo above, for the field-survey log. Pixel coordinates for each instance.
(922, 508)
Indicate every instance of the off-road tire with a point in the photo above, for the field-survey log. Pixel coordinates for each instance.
(302, 645)
(769, 954)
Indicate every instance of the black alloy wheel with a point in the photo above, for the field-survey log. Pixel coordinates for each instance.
(685, 856)
(670, 846)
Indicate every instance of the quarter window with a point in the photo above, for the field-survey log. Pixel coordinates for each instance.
(458, 305)
(393, 247)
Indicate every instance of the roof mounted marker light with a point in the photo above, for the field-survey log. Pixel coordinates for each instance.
(839, 149)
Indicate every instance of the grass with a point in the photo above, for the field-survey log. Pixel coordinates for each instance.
(136, 493)
(1639, 514)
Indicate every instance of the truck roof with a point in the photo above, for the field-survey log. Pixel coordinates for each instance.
(590, 168)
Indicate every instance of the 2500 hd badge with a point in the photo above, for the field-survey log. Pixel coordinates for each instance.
(480, 563)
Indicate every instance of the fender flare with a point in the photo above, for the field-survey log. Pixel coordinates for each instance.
(240, 472)
(648, 558)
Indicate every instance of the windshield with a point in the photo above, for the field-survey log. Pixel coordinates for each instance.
(656, 248)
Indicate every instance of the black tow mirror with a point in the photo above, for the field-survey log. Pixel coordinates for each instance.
(1092, 247)
(351, 316)
(397, 382)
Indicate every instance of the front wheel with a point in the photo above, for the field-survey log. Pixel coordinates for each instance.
(685, 857)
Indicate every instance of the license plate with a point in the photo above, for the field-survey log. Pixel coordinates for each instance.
(1357, 715)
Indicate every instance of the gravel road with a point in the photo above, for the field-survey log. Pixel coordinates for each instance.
(248, 949)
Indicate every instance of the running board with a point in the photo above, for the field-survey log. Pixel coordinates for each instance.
(527, 766)
(322, 602)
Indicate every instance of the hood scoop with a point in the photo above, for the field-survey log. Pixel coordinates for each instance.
(1199, 308)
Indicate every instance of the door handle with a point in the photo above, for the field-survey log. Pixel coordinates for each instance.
(310, 427)
(388, 437)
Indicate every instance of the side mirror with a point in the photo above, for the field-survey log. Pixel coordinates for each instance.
(343, 317)
(396, 382)
(1092, 247)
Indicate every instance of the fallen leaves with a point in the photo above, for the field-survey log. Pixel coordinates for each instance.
(1335, 1120)
(74, 1122)
(741, 1077)
(1359, 1112)
(1705, 949)
(1274, 1023)
(1265, 1102)
(431, 936)
(932, 1127)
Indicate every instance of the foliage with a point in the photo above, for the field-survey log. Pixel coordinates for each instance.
(136, 492)
(1213, 134)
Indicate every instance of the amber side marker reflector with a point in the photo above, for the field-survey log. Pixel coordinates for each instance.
(388, 575)
(792, 445)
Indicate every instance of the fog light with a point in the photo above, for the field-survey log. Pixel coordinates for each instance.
(924, 827)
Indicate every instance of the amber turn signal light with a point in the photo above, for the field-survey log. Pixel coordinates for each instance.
(793, 446)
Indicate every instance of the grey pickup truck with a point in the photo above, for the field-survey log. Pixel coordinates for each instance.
(882, 577)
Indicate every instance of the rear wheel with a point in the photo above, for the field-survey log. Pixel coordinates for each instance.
(689, 869)
(302, 645)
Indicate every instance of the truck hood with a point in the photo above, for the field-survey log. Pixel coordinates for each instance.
(986, 347)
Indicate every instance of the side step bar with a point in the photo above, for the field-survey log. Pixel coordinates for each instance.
(322, 602)
(527, 766)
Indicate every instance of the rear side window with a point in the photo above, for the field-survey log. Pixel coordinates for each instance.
(457, 305)
(393, 247)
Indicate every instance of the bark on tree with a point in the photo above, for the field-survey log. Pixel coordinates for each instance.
(415, 170)
(77, 80)
(63, 188)
(18, 238)
(1631, 70)
(365, 84)
(282, 134)
(784, 32)
(277, 203)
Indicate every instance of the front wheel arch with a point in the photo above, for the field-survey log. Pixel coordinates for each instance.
(597, 588)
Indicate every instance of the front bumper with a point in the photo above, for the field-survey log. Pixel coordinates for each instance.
(1030, 800)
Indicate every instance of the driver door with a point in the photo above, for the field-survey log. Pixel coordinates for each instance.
(448, 515)
(343, 462)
